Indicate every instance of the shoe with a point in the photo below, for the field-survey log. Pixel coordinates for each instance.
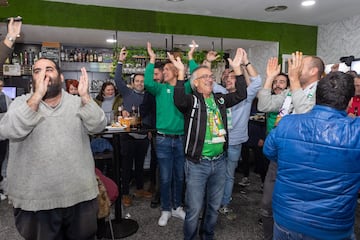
(126, 200)
(142, 193)
(165, 216)
(244, 182)
(155, 201)
(178, 213)
(227, 212)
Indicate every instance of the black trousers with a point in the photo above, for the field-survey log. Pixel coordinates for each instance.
(132, 150)
(78, 222)
(3, 151)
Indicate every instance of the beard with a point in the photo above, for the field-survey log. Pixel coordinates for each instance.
(53, 89)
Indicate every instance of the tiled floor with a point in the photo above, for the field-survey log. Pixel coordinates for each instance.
(245, 227)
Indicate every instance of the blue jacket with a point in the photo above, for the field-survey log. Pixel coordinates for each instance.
(318, 176)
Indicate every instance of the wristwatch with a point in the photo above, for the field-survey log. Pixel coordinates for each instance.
(10, 39)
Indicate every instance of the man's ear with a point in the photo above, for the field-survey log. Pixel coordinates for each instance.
(62, 77)
(196, 83)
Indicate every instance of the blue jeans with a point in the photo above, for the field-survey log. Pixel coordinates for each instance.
(233, 152)
(204, 181)
(282, 233)
(170, 157)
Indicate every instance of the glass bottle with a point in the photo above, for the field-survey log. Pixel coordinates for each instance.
(62, 54)
(26, 58)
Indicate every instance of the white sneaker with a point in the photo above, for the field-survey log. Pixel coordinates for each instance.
(178, 213)
(165, 216)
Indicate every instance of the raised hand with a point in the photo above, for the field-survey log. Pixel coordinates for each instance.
(83, 87)
(151, 53)
(272, 68)
(295, 65)
(212, 56)
(14, 28)
(41, 84)
(245, 59)
(123, 54)
(236, 62)
(178, 64)
(192, 50)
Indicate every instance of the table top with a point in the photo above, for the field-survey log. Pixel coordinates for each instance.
(121, 130)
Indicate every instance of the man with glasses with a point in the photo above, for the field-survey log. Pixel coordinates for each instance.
(206, 141)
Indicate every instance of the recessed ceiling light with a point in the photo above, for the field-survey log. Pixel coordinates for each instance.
(191, 45)
(111, 40)
(276, 8)
(308, 3)
(175, 0)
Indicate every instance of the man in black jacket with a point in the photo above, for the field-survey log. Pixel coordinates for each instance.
(205, 142)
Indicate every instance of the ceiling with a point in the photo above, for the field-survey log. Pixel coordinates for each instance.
(323, 12)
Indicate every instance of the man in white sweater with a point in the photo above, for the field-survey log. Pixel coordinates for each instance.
(51, 177)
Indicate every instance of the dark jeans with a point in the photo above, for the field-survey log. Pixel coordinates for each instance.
(266, 201)
(132, 150)
(71, 223)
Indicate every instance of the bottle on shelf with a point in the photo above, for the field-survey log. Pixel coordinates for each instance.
(21, 58)
(79, 57)
(26, 58)
(83, 55)
(15, 58)
(95, 56)
(62, 54)
(66, 55)
(87, 56)
(31, 57)
(91, 57)
(100, 57)
(71, 56)
(75, 56)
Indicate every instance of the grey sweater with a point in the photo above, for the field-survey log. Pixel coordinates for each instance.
(50, 160)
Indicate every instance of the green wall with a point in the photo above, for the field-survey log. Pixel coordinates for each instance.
(291, 37)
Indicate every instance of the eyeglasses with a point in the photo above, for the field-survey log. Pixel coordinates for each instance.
(212, 77)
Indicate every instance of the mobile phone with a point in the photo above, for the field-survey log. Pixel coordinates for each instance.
(16, 19)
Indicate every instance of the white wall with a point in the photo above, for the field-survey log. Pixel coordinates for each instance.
(339, 39)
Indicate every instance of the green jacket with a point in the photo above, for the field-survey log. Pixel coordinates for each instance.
(169, 119)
